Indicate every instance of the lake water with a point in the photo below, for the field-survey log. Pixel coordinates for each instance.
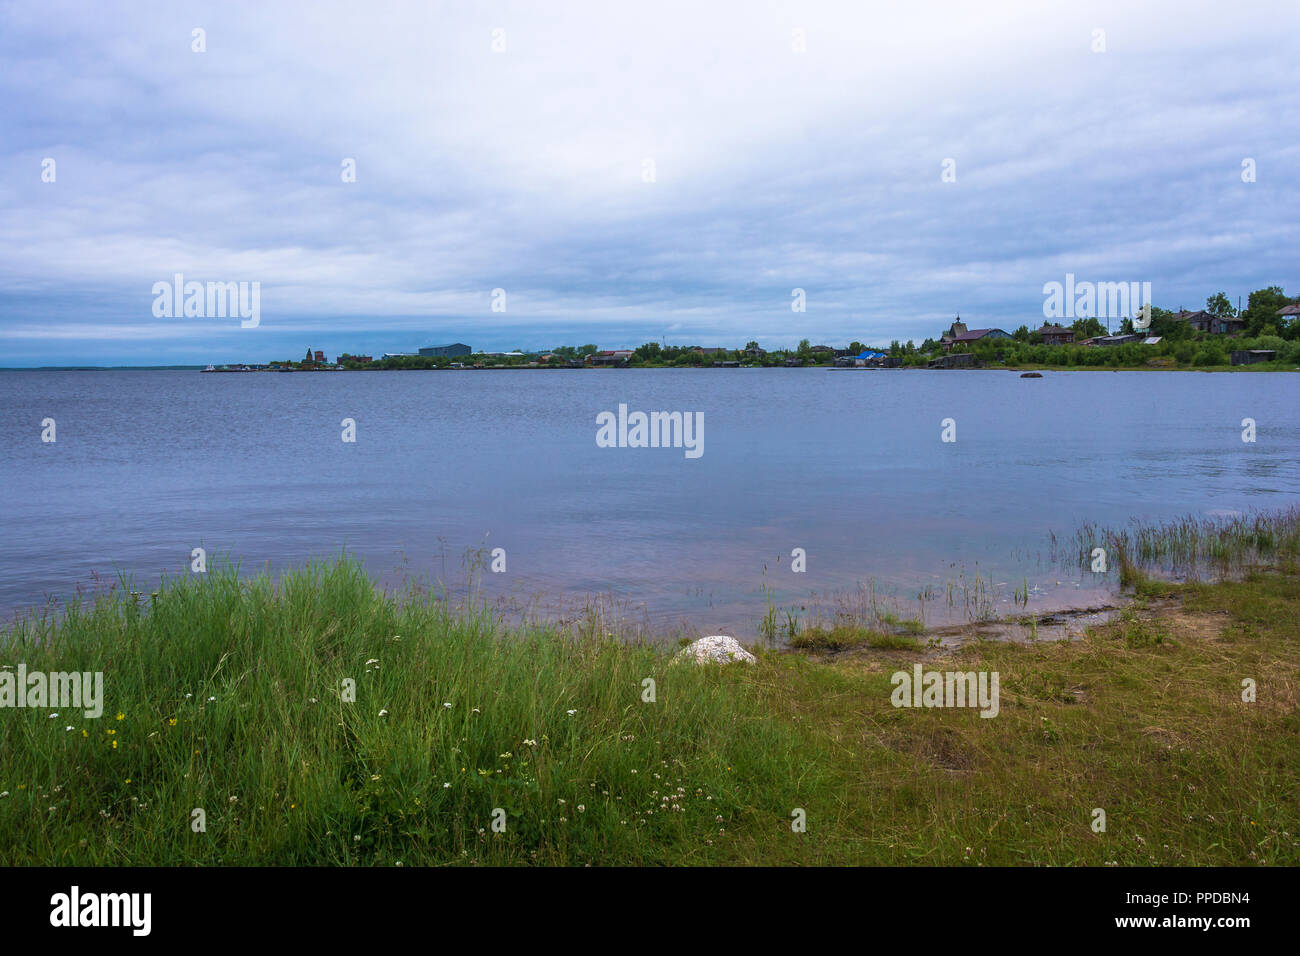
(847, 465)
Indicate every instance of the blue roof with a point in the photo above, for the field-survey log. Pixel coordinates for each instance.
(870, 355)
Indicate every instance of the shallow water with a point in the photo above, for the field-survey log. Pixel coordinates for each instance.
(848, 466)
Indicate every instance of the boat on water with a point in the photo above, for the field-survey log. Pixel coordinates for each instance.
(209, 369)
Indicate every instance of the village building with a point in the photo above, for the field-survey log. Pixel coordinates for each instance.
(1203, 321)
(954, 360)
(1199, 321)
(975, 335)
(957, 328)
(1056, 335)
(1251, 356)
(610, 357)
(958, 334)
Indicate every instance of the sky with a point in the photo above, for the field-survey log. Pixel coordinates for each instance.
(624, 173)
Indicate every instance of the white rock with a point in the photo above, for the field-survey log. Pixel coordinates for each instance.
(717, 647)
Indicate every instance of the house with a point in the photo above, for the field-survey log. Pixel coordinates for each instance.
(957, 328)
(1117, 339)
(1200, 321)
(610, 357)
(869, 359)
(793, 362)
(755, 352)
(1226, 325)
(455, 350)
(1251, 356)
(954, 360)
(348, 357)
(1203, 321)
(1290, 313)
(975, 335)
(822, 350)
(320, 357)
(1056, 335)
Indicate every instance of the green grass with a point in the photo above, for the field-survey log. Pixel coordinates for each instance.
(841, 637)
(224, 694)
(1192, 546)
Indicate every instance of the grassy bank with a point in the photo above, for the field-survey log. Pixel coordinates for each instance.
(225, 695)
(1147, 367)
(1194, 547)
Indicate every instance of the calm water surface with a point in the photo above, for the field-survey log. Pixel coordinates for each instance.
(847, 465)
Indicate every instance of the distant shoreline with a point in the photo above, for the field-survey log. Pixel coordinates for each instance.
(103, 368)
(1259, 367)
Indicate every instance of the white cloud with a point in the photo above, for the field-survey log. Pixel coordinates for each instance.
(523, 169)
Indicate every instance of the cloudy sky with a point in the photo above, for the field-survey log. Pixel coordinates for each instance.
(525, 168)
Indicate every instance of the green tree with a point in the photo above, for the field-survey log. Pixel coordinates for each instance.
(1219, 306)
(1165, 325)
(1088, 328)
(1211, 353)
(1262, 307)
